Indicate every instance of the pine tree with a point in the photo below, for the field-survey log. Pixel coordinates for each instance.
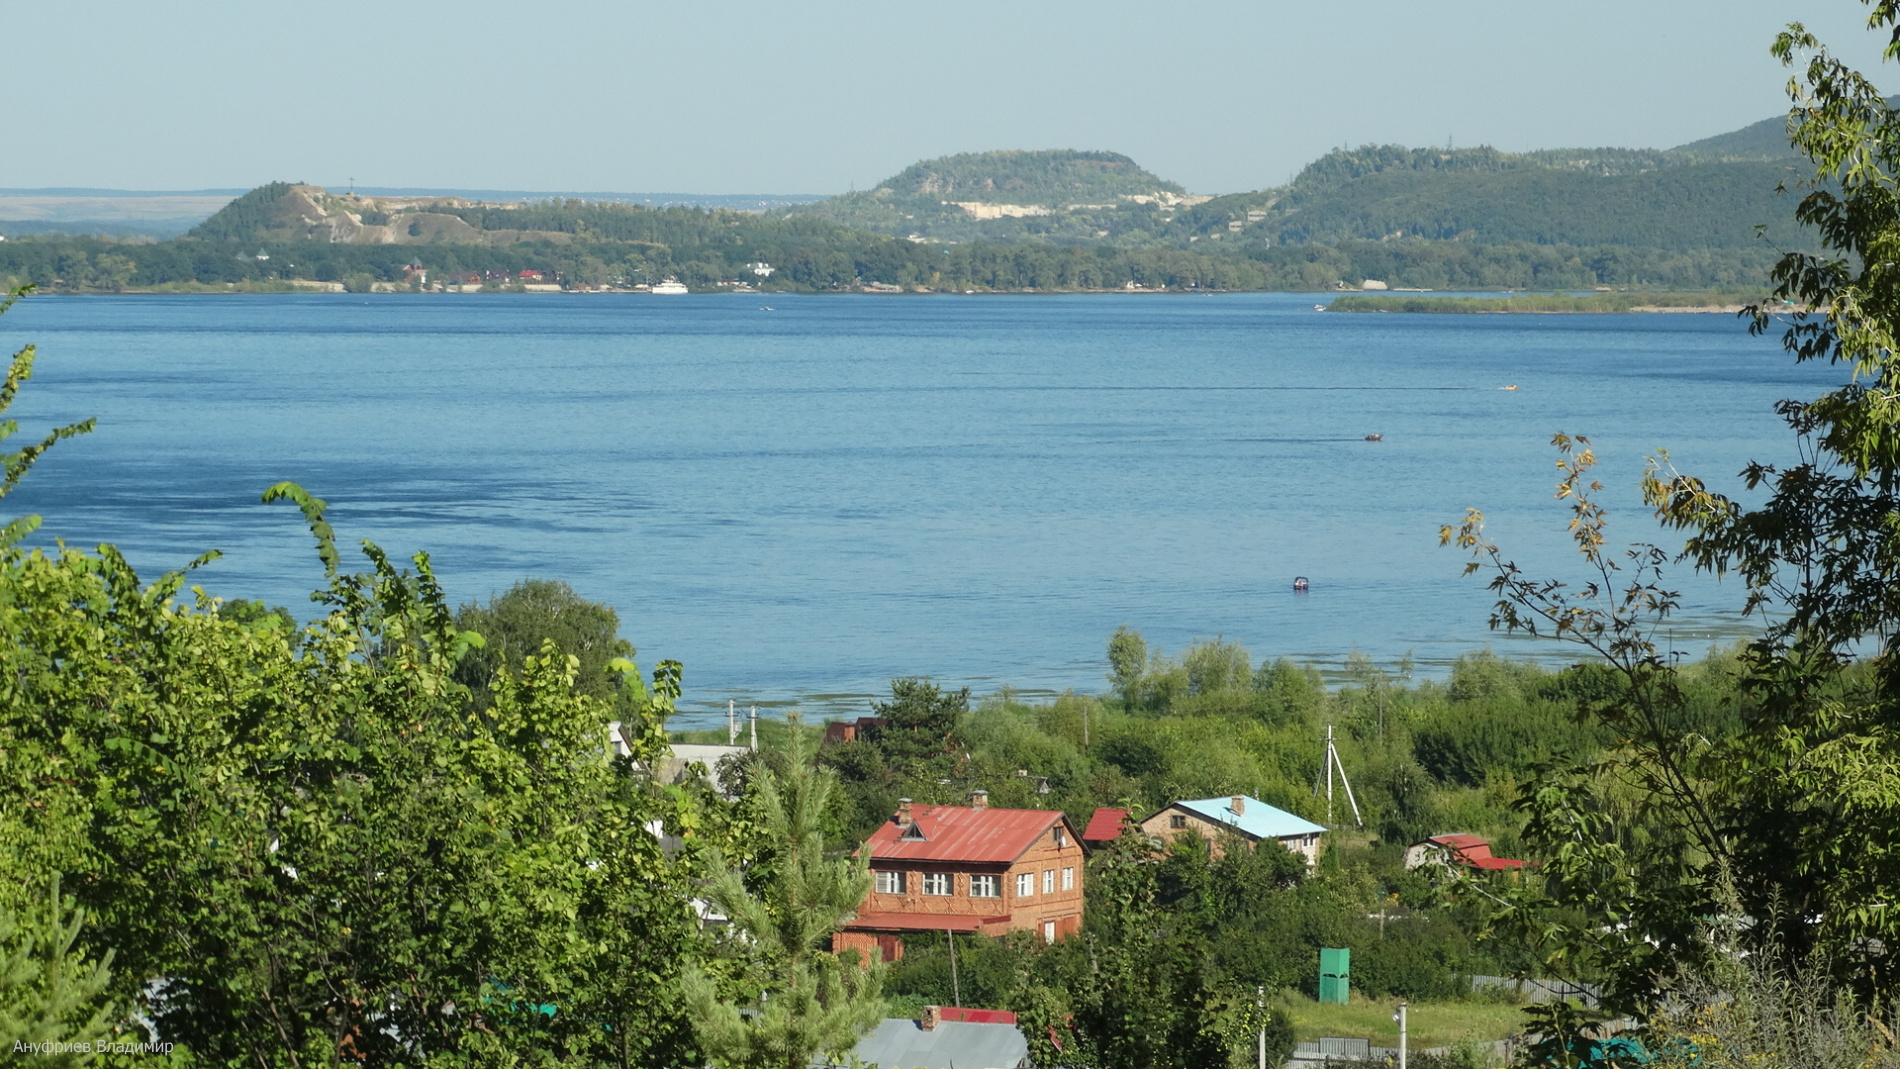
(49, 992)
(784, 908)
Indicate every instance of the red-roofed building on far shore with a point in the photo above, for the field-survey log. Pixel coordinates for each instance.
(968, 869)
(1467, 851)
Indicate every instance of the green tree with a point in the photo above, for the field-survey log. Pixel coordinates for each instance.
(49, 991)
(800, 1000)
(1127, 661)
(1132, 992)
(918, 720)
(515, 624)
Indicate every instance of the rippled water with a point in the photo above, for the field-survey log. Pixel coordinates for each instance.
(803, 502)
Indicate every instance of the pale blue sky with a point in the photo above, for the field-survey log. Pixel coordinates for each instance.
(750, 96)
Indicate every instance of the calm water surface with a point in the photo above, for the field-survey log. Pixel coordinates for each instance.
(804, 502)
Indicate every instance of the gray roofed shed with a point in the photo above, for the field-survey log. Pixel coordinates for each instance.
(901, 1043)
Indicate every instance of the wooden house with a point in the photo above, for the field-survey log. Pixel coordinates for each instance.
(968, 869)
(1250, 818)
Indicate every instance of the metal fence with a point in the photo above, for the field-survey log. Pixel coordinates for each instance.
(1538, 991)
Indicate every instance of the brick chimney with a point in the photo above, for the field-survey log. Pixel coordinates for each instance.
(933, 1016)
(1240, 804)
(979, 799)
(903, 813)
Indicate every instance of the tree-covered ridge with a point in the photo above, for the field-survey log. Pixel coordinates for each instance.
(1028, 177)
(246, 216)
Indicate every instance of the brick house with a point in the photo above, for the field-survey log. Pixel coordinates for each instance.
(968, 869)
(1250, 818)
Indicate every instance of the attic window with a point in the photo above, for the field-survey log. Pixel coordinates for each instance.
(915, 833)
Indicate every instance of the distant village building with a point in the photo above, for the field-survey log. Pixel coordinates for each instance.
(1460, 850)
(1105, 826)
(946, 1037)
(971, 870)
(761, 269)
(1250, 818)
(838, 732)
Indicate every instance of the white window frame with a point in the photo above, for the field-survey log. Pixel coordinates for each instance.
(890, 882)
(986, 887)
(1068, 879)
(1048, 932)
(939, 883)
(1048, 881)
(1025, 885)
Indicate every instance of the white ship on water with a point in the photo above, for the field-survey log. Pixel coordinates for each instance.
(672, 286)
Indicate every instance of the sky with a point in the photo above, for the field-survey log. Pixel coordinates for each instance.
(763, 96)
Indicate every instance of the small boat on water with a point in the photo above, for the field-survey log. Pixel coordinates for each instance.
(1299, 584)
(672, 287)
(1375, 437)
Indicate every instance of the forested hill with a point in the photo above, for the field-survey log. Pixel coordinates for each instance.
(1765, 140)
(1706, 195)
(1646, 198)
(283, 212)
(1063, 196)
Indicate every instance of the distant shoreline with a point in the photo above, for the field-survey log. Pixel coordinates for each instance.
(1687, 303)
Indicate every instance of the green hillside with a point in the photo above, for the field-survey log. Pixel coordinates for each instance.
(1765, 140)
(1595, 197)
(1060, 196)
(1426, 218)
(1016, 177)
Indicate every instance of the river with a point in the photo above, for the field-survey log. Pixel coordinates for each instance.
(802, 501)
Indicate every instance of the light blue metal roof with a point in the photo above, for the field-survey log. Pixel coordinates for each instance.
(1256, 818)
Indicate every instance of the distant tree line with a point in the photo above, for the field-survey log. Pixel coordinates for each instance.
(843, 260)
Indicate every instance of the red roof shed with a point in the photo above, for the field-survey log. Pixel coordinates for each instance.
(1105, 826)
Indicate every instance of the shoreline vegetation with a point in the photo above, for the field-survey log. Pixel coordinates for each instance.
(1712, 302)
(1725, 302)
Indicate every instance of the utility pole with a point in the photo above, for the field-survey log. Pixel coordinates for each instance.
(755, 727)
(732, 723)
(1400, 1017)
(1329, 763)
(956, 990)
(1260, 997)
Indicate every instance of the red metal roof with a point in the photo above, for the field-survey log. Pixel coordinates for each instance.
(959, 833)
(1473, 851)
(1464, 844)
(975, 1016)
(919, 922)
(1105, 825)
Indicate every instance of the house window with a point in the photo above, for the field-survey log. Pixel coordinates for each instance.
(1177, 821)
(1048, 881)
(1062, 840)
(1025, 884)
(985, 887)
(890, 883)
(1048, 931)
(1068, 879)
(937, 883)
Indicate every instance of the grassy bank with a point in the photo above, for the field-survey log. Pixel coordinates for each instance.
(1547, 303)
(1428, 1024)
